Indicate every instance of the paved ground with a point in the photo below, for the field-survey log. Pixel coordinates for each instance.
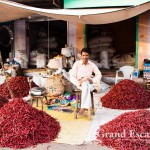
(57, 146)
(85, 146)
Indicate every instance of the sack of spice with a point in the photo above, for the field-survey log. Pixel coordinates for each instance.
(55, 85)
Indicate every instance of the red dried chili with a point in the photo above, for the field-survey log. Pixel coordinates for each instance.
(127, 94)
(19, 86)
(129, 131)
(23, 126)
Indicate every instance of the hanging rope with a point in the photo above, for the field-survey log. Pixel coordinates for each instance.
(8, 86)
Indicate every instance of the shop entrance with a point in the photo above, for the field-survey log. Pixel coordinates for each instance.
(6, 42)
(47, 37)
(113, 45)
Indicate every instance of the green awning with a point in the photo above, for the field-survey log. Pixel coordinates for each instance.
(101, 3)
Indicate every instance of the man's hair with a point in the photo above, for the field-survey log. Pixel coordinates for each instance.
(87, 50)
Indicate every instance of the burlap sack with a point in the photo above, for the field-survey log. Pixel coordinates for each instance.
(68, 86)
(55, 85)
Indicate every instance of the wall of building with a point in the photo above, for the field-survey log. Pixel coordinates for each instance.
(76, 36)
(143, 38)
(20, 37)
(21, 50)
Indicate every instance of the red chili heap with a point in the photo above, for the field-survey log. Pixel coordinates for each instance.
(3, 101)
(19, 86)
(129, 131)
(23, 126)
(127, 94)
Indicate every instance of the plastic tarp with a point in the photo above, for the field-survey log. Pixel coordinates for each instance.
(12, 11)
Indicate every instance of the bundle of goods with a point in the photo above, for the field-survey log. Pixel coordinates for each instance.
(99, 65)
(61, 101)
(46, 43)
(102, 50)
(19, 86)
(33, 57)
(54, 63)
(21, 58)
(129, 131)
(55, 85)
(3, 101)
(100, 39)
(41, 60)
(104, 59)
(122, 60)
(37, 54)
(60, 61)
(67, 51)
(66, 79)
(23, 126)
(127, 94)
(63, 72)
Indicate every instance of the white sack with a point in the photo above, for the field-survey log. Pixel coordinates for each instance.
(104, 59)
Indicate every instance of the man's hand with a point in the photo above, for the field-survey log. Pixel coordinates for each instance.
(85, 79)
(80, 82)
(90, 80)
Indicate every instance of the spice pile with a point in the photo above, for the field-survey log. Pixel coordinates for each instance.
(127, 94)
(129, 131)
(3, 101)
(19, 86)
(23, 126)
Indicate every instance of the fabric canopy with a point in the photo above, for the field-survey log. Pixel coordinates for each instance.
(12, 11)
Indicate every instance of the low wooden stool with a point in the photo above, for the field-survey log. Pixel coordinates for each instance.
(78, 102)
(38, 97)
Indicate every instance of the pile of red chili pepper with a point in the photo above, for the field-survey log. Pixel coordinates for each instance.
(127, 94)
(129, 131)
(3, 101)
(23, 126)
(19, 86)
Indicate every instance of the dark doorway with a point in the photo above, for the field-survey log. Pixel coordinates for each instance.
(54, 32)
(6, 41)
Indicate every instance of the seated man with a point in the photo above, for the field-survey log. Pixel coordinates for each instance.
(82, 76)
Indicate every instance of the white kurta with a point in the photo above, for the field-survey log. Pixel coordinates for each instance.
(80, 71)
(85, 95)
